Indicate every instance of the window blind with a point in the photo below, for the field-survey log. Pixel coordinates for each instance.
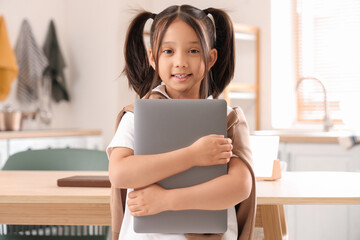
(328, 48)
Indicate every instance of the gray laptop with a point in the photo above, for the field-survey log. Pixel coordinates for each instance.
(169, 124)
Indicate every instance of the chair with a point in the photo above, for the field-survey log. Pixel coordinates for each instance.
(56, 160)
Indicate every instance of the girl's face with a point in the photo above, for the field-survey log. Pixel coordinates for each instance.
(181, 66)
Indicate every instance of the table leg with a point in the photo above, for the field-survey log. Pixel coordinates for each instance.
(273, 221)
(283, 221)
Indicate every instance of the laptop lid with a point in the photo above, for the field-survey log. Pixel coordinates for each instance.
(163, 125)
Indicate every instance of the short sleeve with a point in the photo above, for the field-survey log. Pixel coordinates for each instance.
(124, 136)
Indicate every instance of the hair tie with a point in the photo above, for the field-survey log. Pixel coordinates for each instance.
(153, 16)
(206, 11)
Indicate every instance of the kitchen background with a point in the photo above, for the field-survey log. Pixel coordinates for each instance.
(91, 35)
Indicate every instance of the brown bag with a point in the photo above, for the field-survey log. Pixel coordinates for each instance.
(245, 211)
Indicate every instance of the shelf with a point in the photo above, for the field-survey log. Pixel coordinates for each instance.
(243, 28)
(244, 36)
(242, 95)
(245, 32)
(242, 90)
(237, 87)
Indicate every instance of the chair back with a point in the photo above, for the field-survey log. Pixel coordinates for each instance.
(65, 159)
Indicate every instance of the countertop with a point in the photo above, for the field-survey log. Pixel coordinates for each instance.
(49, 133)
(296, 136)
(299, 136)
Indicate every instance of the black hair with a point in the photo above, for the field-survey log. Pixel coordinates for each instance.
(215, 33)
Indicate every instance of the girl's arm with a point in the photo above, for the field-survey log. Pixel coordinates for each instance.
(127, 170)
(220, 193)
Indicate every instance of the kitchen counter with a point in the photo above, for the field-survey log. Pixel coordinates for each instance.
(302, 136)
(49, 133)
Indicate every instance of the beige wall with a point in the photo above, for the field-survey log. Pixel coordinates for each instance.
(91, 34)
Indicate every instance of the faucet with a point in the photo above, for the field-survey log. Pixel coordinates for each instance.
(327, 123)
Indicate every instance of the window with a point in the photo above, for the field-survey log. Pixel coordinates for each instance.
(327, 47)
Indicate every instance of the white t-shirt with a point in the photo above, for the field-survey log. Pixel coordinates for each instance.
(124, 137)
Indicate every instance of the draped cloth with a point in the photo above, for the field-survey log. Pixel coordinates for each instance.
(32, 63)
(8, 65)
(55, 71)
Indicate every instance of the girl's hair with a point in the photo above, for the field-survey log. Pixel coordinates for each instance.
(215, 33)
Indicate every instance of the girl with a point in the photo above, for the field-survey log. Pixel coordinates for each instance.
(191, 56)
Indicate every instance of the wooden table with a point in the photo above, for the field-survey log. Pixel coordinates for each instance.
(32, 197)
(297, 188)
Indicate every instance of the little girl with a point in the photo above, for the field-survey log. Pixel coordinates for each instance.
(191, 56)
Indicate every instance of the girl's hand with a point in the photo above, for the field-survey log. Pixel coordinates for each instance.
(147, 201)
(211, 150)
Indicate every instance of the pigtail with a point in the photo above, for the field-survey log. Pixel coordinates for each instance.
(223, 70)
(137, 67)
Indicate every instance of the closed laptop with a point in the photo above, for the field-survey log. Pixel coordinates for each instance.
(163, 125)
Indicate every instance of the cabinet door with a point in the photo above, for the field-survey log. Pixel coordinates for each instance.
(71, 142)
(94, 142)
(87, 142)
(3, 152)
(319, 157)
(329, 222)
(23, 144)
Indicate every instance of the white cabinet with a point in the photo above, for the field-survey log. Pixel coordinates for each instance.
(23, 144)
(331, 222)
(11, 146)
(320, 157)
(3, 151)
(94, 142)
